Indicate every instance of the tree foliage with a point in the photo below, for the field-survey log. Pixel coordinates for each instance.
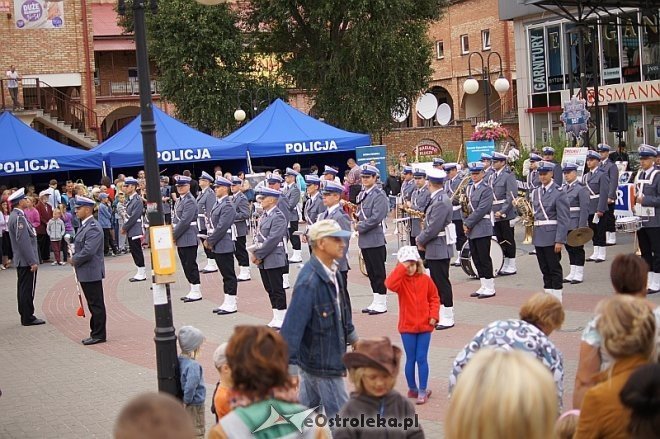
(202, 61)
(358, 57)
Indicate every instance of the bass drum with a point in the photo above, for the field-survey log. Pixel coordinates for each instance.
(496, 255)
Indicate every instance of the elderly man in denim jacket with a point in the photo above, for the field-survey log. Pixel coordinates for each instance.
(319, 326)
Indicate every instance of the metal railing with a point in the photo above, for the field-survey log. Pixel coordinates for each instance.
(106, 88)
(35, 94)
(503, 107)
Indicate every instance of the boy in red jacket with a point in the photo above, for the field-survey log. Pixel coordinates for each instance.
(419, 308)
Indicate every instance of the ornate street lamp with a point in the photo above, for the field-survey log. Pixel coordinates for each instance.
(471, 85)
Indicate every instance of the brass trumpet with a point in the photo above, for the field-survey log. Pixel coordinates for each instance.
(352, 210)
(414, 213)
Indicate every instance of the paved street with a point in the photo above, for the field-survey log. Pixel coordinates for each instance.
(53, 387)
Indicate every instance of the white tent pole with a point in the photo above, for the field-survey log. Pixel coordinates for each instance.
(249, 162)
(105, 172)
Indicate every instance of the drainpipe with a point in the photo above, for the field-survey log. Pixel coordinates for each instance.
(507, 61)
(89, 80)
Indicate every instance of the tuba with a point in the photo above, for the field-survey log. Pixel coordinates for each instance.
(526, 212)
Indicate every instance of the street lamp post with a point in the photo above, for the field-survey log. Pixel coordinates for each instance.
(471, 85)
(254, 101)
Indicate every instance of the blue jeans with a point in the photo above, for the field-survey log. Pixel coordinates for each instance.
(416, 347)
(329, 392)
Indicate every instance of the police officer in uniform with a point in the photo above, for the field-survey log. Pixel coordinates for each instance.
(166, 197)
(242, 206)
(133, 227)
(433, 240)
(291, 195)
(451, 184)
(269, 253)
(275, 183)
(221, 243)
(597, 183)
(533, 180)
(478, 227)
(88, 262)
(612, 172)
(438, 163)
(551, 220)
(504, 185)
(314, 202)
(549, 156)
(419, 201)
(578, 203)
(184, 221)
(647, 182)
(205, 203)
(23, 239)
(487, 161)
(373, 208)
(408, 184)
(332, 210)
(329, 174)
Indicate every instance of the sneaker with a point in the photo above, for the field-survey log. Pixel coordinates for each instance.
(412, 393)
(423, 397)
(54, 263)
(62, 263)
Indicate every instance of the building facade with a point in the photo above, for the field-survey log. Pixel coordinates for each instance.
(622, 64)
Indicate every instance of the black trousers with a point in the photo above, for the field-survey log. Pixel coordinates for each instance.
(460, 235)
(272, 280)
(225, 262)
(422, 253)
(241, 252)
(599, 231)
(374, 260)
(480, 252)
(26, 285)
(295, 239)
(575, 255)
(135, 246)
(550, 265)
(188, 257)
(353, 192)
(439, 269)
(108, 243)
(43, 241)
(94, 294)
(504, 233)
(65, 250)
(610, 223)
(168, 218)
(649, 245)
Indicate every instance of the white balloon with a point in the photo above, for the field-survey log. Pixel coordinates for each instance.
(427, 105)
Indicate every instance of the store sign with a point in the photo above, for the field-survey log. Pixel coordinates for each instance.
(634, 92)
(537, 61)
(613, 73)
(427, 148)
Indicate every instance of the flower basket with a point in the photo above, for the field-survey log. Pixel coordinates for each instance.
(490, 130)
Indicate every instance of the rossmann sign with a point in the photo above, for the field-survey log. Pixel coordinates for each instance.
(634, 92)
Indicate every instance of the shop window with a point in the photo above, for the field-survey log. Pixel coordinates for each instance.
(652, 120)
(650, 47)
(439, 49)
(554, 58)
(465, 45)
(610, 54)
(485, 39)
(630, 55)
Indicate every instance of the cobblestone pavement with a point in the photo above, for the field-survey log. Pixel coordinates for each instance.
(53, 387)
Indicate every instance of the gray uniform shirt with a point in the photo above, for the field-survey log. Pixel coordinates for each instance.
(451, 187)
(481, 203)
(184, 220)
(374, 206)
(407, 188)
(438, 216)
(578, 203)
(337, 213)
(23, 239)
(223, 214)
(292, 197)
(205, 202)
(597, 183)
(612, 176)
(421, 197)
(504, 186)
(242, 206)
(648, 183)
(551, 208)
(313, 208)
(270, 233)
(88, 252)
(134, 210)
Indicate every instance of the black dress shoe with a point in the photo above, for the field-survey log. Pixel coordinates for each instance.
(475, 294)
(567, 281)
(440, 327)
(91, 341)
(187, 300)
(136, 280)
(375, 313)
(652, 291)
(575, 282)
(222, 312)
(35, 322)
(484, 296)
(208, 271)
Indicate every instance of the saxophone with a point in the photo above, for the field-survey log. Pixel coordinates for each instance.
(459, 197)
(526, 212)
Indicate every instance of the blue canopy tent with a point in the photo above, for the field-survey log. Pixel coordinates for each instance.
(26, 151)
(176, 143)
(281, 130)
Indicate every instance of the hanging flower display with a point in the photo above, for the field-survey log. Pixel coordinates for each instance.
(490, 130)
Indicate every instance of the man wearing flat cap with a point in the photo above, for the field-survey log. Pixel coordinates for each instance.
(26, 257)
(88, 263)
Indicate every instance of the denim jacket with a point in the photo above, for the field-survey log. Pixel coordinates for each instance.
(192, 381)
(315, 329)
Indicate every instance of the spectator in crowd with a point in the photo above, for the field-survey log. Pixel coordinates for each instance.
(257, 357)
(31, 213)
(55, 197)
(12, 84)
(566, 425)
(7, 253)
(192, 377)
(353, 180)
(56, 229)
(627, 327)
(67, 217)
(629, 277)
(503, 395)
(105, 221)
(105, 181)
(392, 186)
(194, 186)
(641, 395)
(620, 155)
(540, 315)
(45, 214)
(314, 170)
(153, 416)
(373, 367)
(4, 227)
(222, 393)
(120, 209)
(317, 339)
(419, 311)
(300, 179)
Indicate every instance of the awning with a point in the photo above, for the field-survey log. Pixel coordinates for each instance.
(113, 45)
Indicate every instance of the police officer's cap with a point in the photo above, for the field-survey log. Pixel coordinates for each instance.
(182, 180)
(485, 156)
(17, 196)
(312, 179)
(268, 192)
(593, 155)
(329, 170)
(498, 156)
(407, 169)
(449, 166)
(130, 180)
(369, 170)
(438, 161)
(436, 175)
(274, 178)
(332, 187)
(221, 181)
(291, 172)
(206, 176)
(235, 181)
(81, 201)
(603, 147)
(535, 157)
(476, 167)
(647, 151)
(419, 173)
(546, 166)
(570, 167)
(549, 150)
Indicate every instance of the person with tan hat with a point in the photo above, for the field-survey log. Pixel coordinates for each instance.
(419, 309)
(319, 323)
(372, 368)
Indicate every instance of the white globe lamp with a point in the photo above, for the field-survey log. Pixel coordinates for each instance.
(501, 85)
(239, 115)
(471, 86)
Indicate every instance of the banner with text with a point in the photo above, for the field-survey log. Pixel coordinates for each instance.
(474, 149)
(39, 14)
(625, 200)
(577, 156)
(375, 155)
